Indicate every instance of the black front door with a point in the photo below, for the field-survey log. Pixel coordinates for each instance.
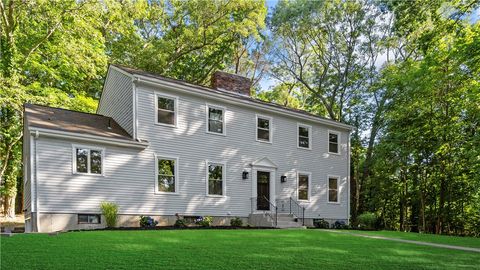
(263, 190)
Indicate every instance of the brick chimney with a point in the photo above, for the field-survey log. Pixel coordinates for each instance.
(231, 82)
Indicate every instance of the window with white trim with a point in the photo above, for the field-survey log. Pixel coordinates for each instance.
(263, 128)
(303, 183)
(304, 136)
(333, 138)
(88, 160)
(215, 119)
(166, 174)
(166, 110)
(333, 189)
(216, 179)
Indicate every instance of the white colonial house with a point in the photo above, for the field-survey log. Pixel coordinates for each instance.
(162, 147)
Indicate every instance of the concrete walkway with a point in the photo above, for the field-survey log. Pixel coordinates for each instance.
(421, 243)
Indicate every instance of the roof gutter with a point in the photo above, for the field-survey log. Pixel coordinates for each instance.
(87, 137)
(225, 98)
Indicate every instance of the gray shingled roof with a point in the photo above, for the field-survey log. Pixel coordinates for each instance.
(72, 121)
(134, 71)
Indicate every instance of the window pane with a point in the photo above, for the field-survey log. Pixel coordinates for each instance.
(303, 131)
(333, 147)
(303, 187)
(95, 219)
(332, 196)
(215, 172)
(332, 137)
(263, 135)
(166, 167)
(82, 218)
(215, 126)
(215, 187)
(332, 183)
(82, 159)
(166, 103)
(263, 123)
(303, 194)
(215, 114)
(96, 161)
(303, 142)
(166, 183)
(166, 117)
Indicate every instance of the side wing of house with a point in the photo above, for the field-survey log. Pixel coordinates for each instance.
(117, 100)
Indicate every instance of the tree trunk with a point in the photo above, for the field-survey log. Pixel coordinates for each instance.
(9, 206)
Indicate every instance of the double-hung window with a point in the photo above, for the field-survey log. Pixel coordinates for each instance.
(304, 136)
(333, 189)
(167, 175)
(264, 133)
(303, 182)
(88, 160)
(216, 179)
(215, 119)
(166, 110)
(333, 140)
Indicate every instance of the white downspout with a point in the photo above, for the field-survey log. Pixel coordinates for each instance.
(37, 215)
(348, 179)
(135, 122)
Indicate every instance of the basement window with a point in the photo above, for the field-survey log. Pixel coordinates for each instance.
(89, 219)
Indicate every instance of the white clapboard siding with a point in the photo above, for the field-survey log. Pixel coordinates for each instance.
(130, 173)
(117, 99)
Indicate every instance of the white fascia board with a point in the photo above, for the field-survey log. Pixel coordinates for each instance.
(87, 137)
(232, 100)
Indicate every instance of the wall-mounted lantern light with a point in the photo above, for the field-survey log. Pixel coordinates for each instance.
(283, 178)
(244, 175)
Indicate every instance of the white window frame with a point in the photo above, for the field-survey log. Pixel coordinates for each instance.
(309, 136)
(224, 178)
(175, 109)
(177, 178)
(338, 141)
(89, 147)
(338, 188)
(224, 112)
(270, 130)
(309, 191)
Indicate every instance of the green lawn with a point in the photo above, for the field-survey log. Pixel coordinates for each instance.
(432, 238)
(223, 249)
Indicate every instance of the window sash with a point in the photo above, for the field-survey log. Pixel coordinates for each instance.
(303, 140)
(167, 182)
(214, 120)
(215, 184)
(333, 144)
(333, 191)
(89, 161)
(164, 113)
(263, 130)
(303, 186)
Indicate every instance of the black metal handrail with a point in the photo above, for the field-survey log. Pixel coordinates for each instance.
(297, 210)
(272, 213)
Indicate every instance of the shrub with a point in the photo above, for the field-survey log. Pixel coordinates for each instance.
(340, 224)
(236, 222)
(367, 221)
(321, 223)
(204, 221)
(110, 211)
(147, 222)
(180, 223)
